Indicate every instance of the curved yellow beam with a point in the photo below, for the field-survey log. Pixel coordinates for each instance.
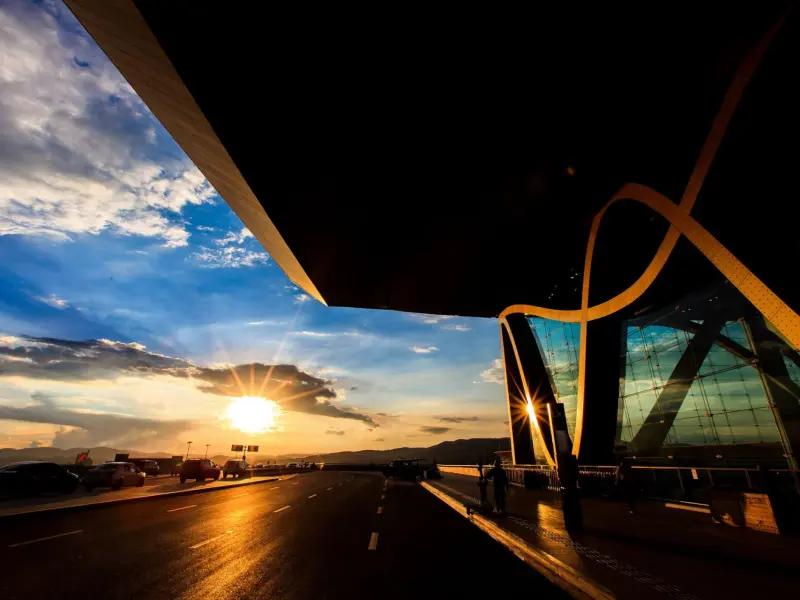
(785, 320)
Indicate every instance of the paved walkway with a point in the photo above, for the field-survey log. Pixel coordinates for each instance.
(658, 552)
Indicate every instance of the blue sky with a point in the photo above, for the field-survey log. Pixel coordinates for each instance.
(109, 233)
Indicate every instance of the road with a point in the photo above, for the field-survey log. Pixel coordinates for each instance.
(324, 535)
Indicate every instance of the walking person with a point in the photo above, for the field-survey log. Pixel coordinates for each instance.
(483, 483)
(626, 486)
(500, 478)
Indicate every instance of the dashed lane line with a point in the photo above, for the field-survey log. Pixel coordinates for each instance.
(214, 539)
(275, 488)
(182, 508)
(50, 537)
(282, 508)
(312, 496)
(373, 541)
(329, 489)
(383, 496)
(380, 510)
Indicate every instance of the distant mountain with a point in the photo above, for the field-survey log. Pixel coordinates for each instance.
(454, 453)
(458, 452)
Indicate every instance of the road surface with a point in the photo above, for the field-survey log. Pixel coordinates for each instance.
(324, 535)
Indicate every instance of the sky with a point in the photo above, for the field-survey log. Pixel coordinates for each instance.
(136, 309)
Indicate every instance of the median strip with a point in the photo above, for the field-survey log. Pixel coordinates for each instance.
(50, 537)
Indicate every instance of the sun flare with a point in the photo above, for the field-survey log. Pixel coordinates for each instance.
(250, 414)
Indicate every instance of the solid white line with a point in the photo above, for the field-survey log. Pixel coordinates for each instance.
(182, 508)
(51, 537)
(282, 509)
(312, 496)
(380, 509)
(211, 540)
(329, 489)
(373, 541)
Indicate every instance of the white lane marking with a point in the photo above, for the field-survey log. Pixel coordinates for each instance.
(312, 496)
(295, 483)
(383, 496)
(282, 509)
(380, 510)
(182, 508)
(275, 488)
(211, 540)
(329, 489)
(373, 541)
(50, 537)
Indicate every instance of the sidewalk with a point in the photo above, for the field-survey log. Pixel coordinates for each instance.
(155, 487)
(658, 552)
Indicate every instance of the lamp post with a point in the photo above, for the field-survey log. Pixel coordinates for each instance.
(207, 445)
(188, 445)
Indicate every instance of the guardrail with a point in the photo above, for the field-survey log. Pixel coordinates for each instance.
(682, 483)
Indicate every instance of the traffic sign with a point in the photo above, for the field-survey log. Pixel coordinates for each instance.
(252, 448)
(235, 448)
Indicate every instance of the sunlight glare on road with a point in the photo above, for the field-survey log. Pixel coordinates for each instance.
(250, 414)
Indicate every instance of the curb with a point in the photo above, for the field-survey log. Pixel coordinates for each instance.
(131, 500)
(559, 573)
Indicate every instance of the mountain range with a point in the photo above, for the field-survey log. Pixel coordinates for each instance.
(466, 451)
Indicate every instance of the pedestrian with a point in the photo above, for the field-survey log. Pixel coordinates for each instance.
(483, 483)
(498, 475)
(625, 484)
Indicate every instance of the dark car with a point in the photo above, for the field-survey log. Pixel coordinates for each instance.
(150, 467)
(35, 477)
(113, 475)
(199, 469)
(404, 468)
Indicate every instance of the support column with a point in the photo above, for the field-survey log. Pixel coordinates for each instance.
(605, 363)
(782, 393)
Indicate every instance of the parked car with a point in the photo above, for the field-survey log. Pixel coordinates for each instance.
(113, 475)
(293, 465)
(36, 477)
(404, 468)
(150, 467)
(199, 469)
(236, 468)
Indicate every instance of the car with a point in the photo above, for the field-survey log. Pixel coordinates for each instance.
(404, 468)
(113, 475)
(150, 467)
(293, 465)
(199, 469)
(36, 477)
(236, 468)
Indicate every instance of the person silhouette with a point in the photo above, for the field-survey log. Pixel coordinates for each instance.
(498, 475)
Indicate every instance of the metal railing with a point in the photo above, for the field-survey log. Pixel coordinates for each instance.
(681, 483)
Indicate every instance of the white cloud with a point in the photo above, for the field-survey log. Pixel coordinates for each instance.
(431, 319)
(228, 257)
(319, 334)
(234, 238)
(301, 298)
(423, 349)
(494, 374)
(456, 328)
(54, 301)
(257, 323)
(205, 228)
(80, 152)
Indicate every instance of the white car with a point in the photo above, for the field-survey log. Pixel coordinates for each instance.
(235, 468)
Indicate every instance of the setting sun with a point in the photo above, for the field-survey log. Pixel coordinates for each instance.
(250, 414)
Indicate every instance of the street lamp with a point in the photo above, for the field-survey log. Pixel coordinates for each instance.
(188, 445)
(207, 445)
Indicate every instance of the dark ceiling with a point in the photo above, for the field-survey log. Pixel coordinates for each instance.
(452, 163)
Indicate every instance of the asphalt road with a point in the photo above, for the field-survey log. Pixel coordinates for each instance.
(321, 535)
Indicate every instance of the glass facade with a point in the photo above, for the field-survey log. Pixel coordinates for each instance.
(726, 403)
(559, 344)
